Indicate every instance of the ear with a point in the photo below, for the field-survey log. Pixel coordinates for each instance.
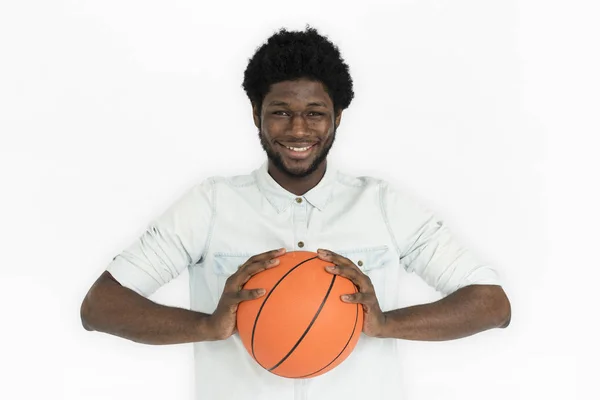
(338, 118)
(256, 115)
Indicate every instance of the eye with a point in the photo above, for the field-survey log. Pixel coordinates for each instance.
(315, 114)
(280, 113)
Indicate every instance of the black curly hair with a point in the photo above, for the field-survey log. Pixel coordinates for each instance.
(289, 55)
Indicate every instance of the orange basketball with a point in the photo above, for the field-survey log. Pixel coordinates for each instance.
(300, 328)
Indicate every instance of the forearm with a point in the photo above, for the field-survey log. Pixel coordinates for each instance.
(116, 310)
(465, 312)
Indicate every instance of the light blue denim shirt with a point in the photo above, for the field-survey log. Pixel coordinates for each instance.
(221, 222)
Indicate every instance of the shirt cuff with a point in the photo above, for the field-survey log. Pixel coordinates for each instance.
(132, 277)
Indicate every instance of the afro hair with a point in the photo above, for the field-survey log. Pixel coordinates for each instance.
(291, 55)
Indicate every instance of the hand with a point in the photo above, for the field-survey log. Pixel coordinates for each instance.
(374, 318)
(222, 322)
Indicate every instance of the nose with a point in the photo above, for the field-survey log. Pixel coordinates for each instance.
(299, 127)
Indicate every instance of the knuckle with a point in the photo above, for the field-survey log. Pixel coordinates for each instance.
(241, 295)
(373, 300)
(250, 294)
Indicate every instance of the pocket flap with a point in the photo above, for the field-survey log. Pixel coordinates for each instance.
(367, 258)
(228, 263)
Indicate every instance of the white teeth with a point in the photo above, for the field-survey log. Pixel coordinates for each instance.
(299, 148)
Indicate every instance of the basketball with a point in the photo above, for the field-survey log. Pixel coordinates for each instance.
(300, 328)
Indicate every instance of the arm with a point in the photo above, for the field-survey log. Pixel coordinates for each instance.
(117, 310)
(467, 311)
(114, 309)
(118, 304)
(473, 298)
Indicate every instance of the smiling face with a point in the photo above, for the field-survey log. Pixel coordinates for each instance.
(297, 126)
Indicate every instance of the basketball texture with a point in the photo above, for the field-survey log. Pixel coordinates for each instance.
(300, 328)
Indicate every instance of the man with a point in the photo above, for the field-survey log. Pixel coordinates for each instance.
(225, 230)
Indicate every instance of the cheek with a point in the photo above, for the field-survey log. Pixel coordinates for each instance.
(273, 128)
(324, 128)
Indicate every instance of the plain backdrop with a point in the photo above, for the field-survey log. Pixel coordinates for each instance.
(487, 111)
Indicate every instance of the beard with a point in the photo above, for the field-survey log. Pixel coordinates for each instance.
(277, 160)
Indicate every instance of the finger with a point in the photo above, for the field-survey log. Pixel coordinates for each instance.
(250, 270)
(236, 281)
(346, 268)
(250, 294)
(328, 255)
(367, 300)
(267, 255)
(253, 266)
(361, 298)
(362, 281)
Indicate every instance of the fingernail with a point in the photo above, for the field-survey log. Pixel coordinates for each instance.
(274, 261)
(330, 268)
(261, 291)
(345, 297)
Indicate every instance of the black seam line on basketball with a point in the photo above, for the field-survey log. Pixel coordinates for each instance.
(265, 302)
(309, 325)
(338, 356)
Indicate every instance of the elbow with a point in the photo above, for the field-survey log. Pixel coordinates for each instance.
(92, 308)
(506, 317)
(493, 305)
(503, 309)
(85, 314)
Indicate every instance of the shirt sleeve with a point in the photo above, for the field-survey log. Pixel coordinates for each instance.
(173, 241)
(427, 247)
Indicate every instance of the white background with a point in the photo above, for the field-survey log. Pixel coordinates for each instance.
(487, 111)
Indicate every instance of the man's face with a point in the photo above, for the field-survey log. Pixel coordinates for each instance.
(297, 126)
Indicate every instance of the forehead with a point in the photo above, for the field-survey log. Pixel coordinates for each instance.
(301, 91)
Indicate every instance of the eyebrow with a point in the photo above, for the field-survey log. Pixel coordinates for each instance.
(283, 103)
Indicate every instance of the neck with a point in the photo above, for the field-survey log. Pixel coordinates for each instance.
(295, 185)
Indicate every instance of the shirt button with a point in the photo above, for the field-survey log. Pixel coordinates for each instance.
(298, 200)
(300, 244)
(360, 263)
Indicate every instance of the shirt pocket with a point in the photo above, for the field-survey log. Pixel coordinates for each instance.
(367, 258)
(225, 265)
(376, 262)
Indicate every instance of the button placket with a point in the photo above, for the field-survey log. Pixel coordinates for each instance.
(300, 225)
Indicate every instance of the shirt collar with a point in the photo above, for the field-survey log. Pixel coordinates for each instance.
(281, 199)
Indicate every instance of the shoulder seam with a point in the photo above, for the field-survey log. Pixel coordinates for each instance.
(346, 180)
(382, 207)
(213, 205)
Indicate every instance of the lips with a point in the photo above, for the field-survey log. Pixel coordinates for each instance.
(297, 151)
